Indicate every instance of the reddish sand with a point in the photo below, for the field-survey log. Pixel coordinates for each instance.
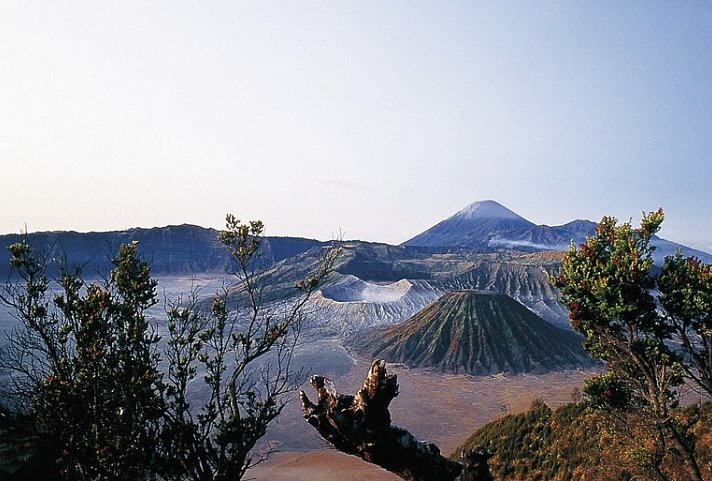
(444, 409)
(318, 466)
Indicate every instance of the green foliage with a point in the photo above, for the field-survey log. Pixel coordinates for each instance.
(85, 366)
(686, 294)
(608, 391)
(608, 287)
(85, 361)
(243, 346)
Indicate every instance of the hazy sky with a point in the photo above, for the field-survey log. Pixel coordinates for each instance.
(376, 118)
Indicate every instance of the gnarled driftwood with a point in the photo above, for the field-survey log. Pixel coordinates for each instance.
(360, 425)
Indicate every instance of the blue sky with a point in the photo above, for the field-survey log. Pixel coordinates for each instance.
(377, 119)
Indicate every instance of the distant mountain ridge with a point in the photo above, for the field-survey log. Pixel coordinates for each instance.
(476, 333)
(172, 250)
(489, 225)
(493, 249)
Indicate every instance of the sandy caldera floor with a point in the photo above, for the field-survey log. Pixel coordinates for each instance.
(440, 408)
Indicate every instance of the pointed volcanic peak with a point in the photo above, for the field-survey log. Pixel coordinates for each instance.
(477, 333)
(489, 209)
(474, 226)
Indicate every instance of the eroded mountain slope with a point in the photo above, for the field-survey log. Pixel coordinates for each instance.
(477, 333)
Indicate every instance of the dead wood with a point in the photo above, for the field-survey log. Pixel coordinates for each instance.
(360, 425)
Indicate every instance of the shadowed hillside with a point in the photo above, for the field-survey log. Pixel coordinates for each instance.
(172, 250)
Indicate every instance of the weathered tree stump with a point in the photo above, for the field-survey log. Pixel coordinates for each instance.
(360, 425)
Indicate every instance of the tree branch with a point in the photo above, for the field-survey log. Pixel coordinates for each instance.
(360, 425)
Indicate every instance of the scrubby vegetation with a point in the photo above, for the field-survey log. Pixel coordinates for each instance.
(652, 328)
(579, 443)
(89, 384)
